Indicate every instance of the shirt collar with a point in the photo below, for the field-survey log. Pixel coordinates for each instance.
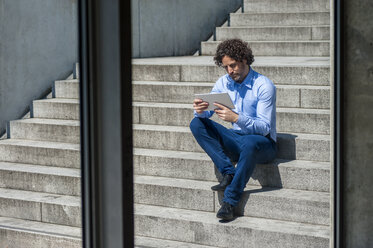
(248, 81)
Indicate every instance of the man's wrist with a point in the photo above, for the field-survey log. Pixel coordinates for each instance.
(236, 118)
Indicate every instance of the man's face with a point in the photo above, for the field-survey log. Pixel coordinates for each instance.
(237, 70)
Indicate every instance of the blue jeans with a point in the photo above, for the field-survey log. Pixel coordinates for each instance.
(225, 145)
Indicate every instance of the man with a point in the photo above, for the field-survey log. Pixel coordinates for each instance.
(252, 138)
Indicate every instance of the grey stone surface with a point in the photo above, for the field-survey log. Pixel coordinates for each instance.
(278, 48)
(141, 242)
(172, 92)
(40, 178)
(304, 147)
(303, 120)
(290, 146)
(39, 45)
(203, 228)
(259, 61)
(291, 205)
(176, 193)
(279, 19)
(294, 96)
(56, 108)
(303, 70)
(286, 5)
(64, 210)
(321, 32)
(152, 32)
(293, 174)
(76, 71)
(67, 131)
(23, 233)
(315, 98)
(156, 72)
(288, 96)
(42, 207)
(23, 209)
(277, 33)
(288, 119)
(66, 88)
(357, 156)
(40, 152)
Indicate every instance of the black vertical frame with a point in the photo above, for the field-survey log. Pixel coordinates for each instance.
(106, 123)
(126, 121)
(338, 122)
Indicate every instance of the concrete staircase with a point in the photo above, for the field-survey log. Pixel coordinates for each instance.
(40, 174)
(286, 203)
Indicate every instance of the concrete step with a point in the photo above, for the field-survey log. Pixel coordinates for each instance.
(56, 108)
(274, 33)
(76, 71)
(286, 5)
(57, 180)
(278, 48)
(290, 174)
(66, 89)
(43, 207)
(280, 19)
(291, 205)
(25, 233)
(180, 114)
(203, 228)
(288, 119)
(293, 96)
(67, 131)
(40, 153)
(290, 146)
(315, 97)
(299, 120)
(281, 70)
(142, 242)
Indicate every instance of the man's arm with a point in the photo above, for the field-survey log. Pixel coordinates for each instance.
(226, 114)
(198, 103)
(265, 111)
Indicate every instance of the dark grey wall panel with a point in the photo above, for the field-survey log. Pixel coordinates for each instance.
(175, 27)
(358, 124)
(38, 45)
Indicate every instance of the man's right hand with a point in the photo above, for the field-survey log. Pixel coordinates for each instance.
(200, 106)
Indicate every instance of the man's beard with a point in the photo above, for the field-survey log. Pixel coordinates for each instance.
(236, 77)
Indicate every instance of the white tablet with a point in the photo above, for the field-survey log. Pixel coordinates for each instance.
(222, 98)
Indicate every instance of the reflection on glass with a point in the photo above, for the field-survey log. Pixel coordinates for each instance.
(287, 197)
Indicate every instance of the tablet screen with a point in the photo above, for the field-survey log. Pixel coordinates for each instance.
(222, 98)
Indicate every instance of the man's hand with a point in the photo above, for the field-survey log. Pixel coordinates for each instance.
(200, 106)
(225, 113)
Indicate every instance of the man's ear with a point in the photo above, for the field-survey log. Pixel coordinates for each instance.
(244, 61)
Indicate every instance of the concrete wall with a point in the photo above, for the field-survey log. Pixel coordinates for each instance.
(175, 27)
(38, 45)
(358, 121)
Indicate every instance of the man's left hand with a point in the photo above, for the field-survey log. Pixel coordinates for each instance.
(225, 113)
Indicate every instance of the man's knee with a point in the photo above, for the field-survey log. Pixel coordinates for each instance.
(250, 145)
(199, 124)
(195, 124)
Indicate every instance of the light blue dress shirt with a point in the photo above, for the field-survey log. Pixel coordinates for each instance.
(254, 100)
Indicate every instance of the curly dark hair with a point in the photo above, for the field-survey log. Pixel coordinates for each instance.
(236, 49)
